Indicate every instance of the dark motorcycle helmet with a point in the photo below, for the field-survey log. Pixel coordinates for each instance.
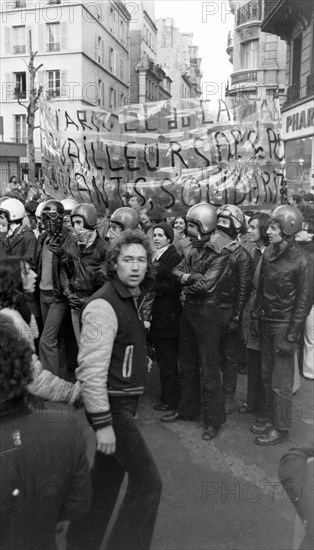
(88, 213)
(52, 216)
(289, 219)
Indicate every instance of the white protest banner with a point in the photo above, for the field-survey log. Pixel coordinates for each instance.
(171, 154)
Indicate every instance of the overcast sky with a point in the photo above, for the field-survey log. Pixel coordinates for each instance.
(210, 23)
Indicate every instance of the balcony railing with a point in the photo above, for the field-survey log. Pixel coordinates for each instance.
(310, 84)
(252, 11)
(19, 49)
(244, 76)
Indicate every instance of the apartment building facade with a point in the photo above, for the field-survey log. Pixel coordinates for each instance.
(148, 81)
(294, 23)
(83, 50)
(179, 57)
(258, 58)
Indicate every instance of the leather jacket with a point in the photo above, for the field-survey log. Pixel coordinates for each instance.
(206, 268)
(284, 291)
(67, 238)
(83, 265)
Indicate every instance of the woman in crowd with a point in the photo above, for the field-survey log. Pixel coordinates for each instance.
(166, 315)
(16, 279)
(44, 470)
(258, 226)
(181, 240)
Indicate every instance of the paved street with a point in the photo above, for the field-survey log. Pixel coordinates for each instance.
(224, 494)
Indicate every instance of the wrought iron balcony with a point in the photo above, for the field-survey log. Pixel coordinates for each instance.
(293, 92)
(243, 76)
(310, 84)
(252, 11)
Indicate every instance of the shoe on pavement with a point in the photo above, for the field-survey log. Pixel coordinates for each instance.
(261, 428)
(229, 405)
(247, 409)
(210, 432)
(163, 407)
(272, 437)
(172, 417)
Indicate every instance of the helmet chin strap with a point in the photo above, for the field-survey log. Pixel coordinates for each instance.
(198, 241)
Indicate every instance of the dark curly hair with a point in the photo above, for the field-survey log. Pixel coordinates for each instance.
(127, 237)
(15, 361)
(11, 280)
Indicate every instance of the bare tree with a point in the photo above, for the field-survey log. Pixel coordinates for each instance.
(31, 107)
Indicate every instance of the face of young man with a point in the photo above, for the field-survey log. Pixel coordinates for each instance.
(193, 229)
(131, 265)
(274, 233)
(78, 223)
(253, 231)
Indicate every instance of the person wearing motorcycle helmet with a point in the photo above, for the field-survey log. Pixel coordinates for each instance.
(201, 274)
(283, 302)
(68, 204)
(19, 239)
(53, 304)
(40, 227)
(83, 260)
(122, 218)
(235, 292)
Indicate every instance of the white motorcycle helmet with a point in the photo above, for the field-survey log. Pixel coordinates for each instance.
(13, 209)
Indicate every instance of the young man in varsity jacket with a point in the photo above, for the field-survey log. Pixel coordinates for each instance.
(112, 369)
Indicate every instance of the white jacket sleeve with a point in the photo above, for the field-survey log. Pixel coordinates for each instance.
(99, 330)
(48, 386)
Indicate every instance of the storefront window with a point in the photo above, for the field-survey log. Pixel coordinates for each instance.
(298, 154)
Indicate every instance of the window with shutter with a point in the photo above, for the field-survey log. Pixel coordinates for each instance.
(41, 37)
(53, 84)
(20, 85)
(53, 37)
(19, 39)
(122, 68)
(20, 129)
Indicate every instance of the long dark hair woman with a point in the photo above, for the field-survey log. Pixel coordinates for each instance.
(181, 240)
(16, 280)
(257, 232)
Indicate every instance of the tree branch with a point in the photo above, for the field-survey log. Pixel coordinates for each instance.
(22, 104)
(36, 127)
(39, 67)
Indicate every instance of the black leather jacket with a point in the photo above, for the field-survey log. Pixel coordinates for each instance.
(206, 268)
(237, 282)
(67, 238)
(284, 291)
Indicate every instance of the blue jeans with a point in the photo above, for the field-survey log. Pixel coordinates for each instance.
(53, 314)
(277, 376)
(134, 526)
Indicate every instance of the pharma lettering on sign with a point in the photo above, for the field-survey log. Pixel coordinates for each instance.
(299, 120)
(171, 154)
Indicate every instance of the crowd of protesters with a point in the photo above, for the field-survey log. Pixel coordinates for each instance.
(210, 295)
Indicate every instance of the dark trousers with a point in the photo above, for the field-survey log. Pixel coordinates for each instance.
(53, 314)
(200, 382)
(167, 358)
(277, 376)
(229, 355)
(134, 526)
(255, 389)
